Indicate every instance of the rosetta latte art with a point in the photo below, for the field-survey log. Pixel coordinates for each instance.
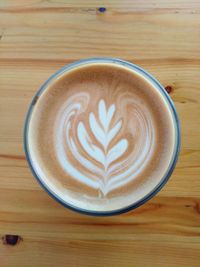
(93, 147)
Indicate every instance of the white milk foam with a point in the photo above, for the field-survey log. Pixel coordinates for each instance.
(101, 142)
(114, 170)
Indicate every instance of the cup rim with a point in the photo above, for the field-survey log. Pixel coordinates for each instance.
(156, 84)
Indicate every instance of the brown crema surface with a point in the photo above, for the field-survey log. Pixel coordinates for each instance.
(101, 137)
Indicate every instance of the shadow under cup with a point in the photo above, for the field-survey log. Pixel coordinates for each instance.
(101, 105)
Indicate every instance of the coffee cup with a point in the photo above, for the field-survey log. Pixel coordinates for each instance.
(102, 136)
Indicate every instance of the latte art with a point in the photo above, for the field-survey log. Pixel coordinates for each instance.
(99, 148)
(100, 137)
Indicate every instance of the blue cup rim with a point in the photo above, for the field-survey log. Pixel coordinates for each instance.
(156, 84)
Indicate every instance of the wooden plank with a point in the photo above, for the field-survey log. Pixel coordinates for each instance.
(101, 253)
(70, 35)
(138, 5)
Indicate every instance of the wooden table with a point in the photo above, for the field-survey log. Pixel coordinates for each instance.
(36, 39)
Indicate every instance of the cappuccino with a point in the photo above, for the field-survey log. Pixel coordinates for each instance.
(101, 136)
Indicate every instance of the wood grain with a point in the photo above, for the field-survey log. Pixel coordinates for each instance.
(36, 39)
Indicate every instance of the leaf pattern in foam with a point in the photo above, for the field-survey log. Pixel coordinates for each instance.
(92, 150)
(104, 116)
(113, 132)
(104, 137)
(96, 129)
(116, 151)
(83, 161)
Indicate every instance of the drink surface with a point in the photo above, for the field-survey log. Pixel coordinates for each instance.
(101, 137)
